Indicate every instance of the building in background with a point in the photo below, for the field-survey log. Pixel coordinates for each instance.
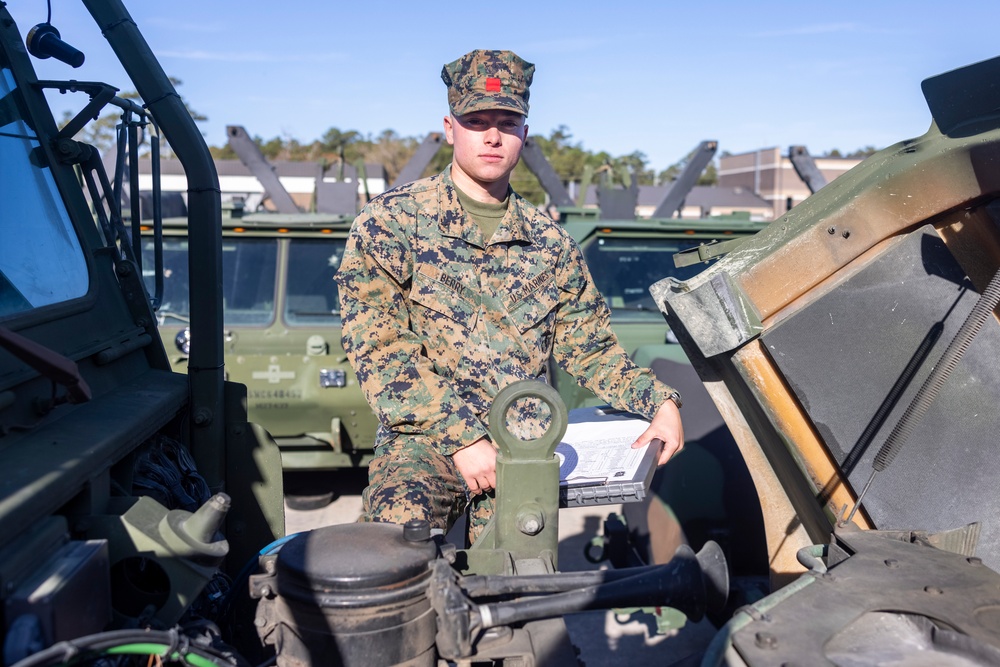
(298, 178)
(769, 173)
(703, 201)
(706, 201)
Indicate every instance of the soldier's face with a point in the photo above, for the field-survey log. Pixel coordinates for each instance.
(487, 144)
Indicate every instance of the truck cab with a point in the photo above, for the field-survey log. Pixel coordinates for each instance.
(129, 490)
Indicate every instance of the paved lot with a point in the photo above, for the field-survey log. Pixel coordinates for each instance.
(602, 638)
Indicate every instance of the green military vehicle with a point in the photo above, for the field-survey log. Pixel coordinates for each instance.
(281, 314)
(131, 495)
(626, 254)
(141, 509)
(281, 337)
(852, 348)
(624, 258)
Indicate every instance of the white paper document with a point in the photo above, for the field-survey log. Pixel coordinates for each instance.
(600, 452)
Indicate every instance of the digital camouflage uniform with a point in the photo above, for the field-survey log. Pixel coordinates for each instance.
(436, 322)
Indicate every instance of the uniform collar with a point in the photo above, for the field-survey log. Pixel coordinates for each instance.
(455, 223)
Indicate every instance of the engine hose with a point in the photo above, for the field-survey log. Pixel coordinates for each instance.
(721, 650)
(812, 557)
(171, 645)
(925, 396)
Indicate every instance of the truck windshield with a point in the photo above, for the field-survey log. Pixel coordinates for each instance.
(41, 261)
(312, 295)
(623, 268)
(248, 279)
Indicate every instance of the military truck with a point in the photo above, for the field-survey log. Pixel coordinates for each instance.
(281, 312)
(281, 317)
(142, 510)
(625, 256)
(120, 476)
(851, 347)
(281, 336)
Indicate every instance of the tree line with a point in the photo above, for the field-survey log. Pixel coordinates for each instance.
(568, 158)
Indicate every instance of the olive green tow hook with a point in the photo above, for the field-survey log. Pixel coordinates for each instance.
(526, 522)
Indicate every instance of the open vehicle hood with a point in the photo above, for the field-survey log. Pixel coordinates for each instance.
(816, 334)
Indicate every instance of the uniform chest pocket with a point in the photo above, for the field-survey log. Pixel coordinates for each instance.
(538, 306)
(439, 294)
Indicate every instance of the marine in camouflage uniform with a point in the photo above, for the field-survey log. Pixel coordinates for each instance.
(438, 318)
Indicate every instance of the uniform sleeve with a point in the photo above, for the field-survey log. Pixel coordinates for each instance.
(586, 347)
(398, 381)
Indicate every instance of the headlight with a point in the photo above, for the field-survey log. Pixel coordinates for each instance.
(183, 341)
(332, 378)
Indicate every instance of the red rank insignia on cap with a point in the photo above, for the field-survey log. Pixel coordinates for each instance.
(492, 85)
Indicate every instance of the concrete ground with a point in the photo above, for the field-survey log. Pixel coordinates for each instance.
(601, 638)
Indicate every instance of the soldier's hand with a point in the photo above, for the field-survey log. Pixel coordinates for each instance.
(666, 427)
(477, 464)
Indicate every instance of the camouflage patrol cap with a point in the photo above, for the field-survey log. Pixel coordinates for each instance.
(483, 79)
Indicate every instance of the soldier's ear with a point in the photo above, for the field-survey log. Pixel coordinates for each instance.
(449, 130)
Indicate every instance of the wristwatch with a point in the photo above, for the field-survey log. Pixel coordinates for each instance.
(675, 396)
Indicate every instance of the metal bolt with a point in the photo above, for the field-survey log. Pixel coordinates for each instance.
(141, 322)
(269, 566)
(530, 523)
(891, 562)
(846, 234)
(933, 590)
(202, 417)
(766, 640)
(266, 592)
(831, 230)
(259, 622)
(124, 269)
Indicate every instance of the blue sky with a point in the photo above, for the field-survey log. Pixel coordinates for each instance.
(657, 77)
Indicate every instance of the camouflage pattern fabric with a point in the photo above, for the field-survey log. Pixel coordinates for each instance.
(410, 479)
(436, 322)
(482, 80)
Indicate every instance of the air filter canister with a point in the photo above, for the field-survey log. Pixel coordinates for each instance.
(351, 594)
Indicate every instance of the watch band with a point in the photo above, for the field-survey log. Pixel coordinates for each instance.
(675, 396)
